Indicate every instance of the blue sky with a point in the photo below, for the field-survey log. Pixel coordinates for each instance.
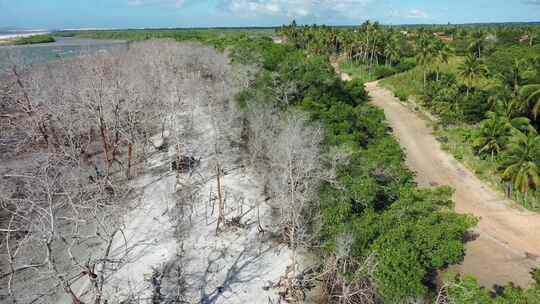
(59, 14)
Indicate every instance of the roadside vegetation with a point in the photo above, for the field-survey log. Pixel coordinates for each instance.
(487, 103)
(460, 78)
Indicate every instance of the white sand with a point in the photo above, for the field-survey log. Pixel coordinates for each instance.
(21, 35)
(232, 267)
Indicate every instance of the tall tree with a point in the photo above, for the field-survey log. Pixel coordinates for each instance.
(492, 134)
(424, 53)
(471, 70)
(442, 54)
(531, 94)
(521, 159)
(477, 44)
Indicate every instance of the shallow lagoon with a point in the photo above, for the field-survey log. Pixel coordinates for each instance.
(62, 48)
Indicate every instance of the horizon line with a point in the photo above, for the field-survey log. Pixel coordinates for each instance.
(261, 26)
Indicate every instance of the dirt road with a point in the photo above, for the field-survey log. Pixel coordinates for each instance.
(508, 243)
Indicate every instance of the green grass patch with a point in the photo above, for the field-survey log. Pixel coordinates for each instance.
(363, 73)
(411, 82)
(356, 71)
(457, 142)
(34, 40)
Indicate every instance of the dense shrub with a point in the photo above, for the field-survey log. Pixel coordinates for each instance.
(35, 39)
(405, 65)
(383, 71)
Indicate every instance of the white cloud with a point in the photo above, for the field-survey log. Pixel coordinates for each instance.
(173, 3)
(409, 14)
(296, 8)
(416, 13)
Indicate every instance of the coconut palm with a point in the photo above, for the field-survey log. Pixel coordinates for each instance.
(442, 54)
(492, 134)
(494, 131)
(477, 44)
(531, 95)
(521, 159)
(471, 70)
(424, 53)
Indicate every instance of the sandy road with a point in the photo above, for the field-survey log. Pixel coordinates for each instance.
(508, 243)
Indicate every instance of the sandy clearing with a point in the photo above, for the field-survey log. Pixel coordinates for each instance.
(239, 264)
(236, 266)
(508, 245)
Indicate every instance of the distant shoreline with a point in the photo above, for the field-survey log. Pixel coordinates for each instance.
(64, 41)
(21, 35)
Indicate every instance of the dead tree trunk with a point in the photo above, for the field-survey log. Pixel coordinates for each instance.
(221, 206)
(130, 156)
(103, 133)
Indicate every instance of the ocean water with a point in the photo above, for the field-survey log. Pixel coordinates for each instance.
(62, 48)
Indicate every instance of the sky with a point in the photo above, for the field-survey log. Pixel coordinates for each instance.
(62, 14)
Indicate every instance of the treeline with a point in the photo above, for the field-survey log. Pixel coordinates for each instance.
(487, 76)
(382, 50)
(492, 93)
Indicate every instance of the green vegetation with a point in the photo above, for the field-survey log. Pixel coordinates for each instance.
(409, 232)
(491, 81)
(381, 237)
(459, 142)
(466, 290)
(356, 71)
(410, 83)
(219, 38)
(363, 73)
(34, 40)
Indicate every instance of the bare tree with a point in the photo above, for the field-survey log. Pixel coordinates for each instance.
(296, 162)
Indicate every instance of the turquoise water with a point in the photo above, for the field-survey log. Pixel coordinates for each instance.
(62, 48)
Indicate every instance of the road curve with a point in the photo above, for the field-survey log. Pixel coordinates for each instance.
(508, 242)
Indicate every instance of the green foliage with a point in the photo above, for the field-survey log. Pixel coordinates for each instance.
(492, 136)
(419, 231)
(461, 142)
(383, 71)
(364, 73)
(34, 39)
(376, 200)
(357, 71)
(465, 290)
(531, 93)
(521, 159)
(471, 70)
(402, 96)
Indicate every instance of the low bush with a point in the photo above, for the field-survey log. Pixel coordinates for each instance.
(401, 95)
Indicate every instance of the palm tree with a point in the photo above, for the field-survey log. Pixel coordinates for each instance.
(442, 54)
(477, 44)
(492, 134)
(424, 53)
(531, 94)
(520, 160)
(471, 70)
(495, 130)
